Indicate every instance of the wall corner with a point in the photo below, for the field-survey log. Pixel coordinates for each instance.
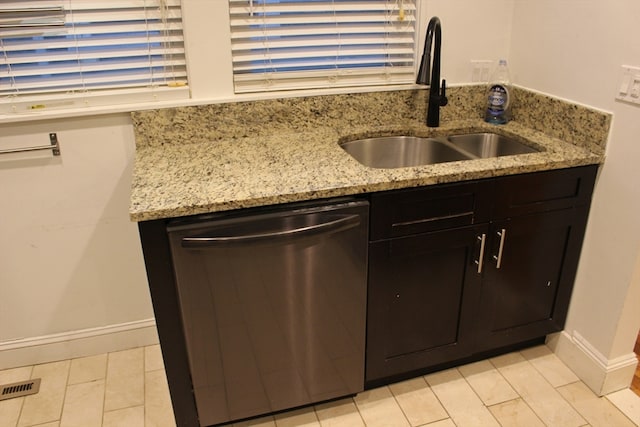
(600, 374)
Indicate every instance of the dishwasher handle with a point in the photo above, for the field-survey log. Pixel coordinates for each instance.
(334, 225)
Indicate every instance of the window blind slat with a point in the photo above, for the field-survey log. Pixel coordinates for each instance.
(327, 64)
(64, 63)
(295, 56)
(81, 4)
(241, 33)
(276, 43)
(330, 43)
(108, 30)
(320, 19)
(244, 6)
(103, 45)
(25, 47)
(322, 74)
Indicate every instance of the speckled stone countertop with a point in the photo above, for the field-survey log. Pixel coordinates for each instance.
(192, 160)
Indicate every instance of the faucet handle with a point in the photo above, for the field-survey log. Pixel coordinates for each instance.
(443, 93)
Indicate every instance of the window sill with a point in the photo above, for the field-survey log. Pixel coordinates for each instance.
(69, 113)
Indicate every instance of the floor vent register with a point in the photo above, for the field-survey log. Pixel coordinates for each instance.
(23, 388)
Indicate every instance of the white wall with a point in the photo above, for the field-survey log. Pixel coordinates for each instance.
(471, 30)
(70, 258)
(574, 49)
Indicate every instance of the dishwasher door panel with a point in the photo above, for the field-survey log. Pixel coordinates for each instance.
(273, 323)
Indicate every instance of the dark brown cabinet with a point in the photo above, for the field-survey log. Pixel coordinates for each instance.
(527, 286)
(422, 294)
(455, 272)
(472, 267)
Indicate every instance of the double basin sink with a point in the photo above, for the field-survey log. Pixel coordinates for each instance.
(390, 152)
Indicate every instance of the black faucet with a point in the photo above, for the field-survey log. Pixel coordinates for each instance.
(437, 98)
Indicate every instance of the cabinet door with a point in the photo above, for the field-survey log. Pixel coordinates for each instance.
(529, 277)
(423, 291)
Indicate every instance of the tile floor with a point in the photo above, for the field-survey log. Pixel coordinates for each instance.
(129, 389)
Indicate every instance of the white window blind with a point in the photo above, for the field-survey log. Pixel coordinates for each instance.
(300, 44)
(77, 53)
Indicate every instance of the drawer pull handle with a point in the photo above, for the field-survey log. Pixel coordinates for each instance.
(480, 259)
(502, 234)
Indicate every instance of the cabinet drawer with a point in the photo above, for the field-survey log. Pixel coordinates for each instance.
(406, 212)
(543, 191)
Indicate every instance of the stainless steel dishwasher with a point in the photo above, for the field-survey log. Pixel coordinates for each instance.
(273, 304)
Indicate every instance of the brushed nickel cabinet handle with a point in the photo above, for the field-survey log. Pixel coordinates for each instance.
(480, 259)
(502, 234)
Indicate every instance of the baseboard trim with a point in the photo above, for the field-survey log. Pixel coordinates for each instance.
(80, 343)
(600, 374)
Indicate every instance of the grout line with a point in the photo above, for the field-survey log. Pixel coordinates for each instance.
(23, 398)
(555, 389)
(64, 396)
(480, 397)
(399, 405)
(552, 386)
(104, 395)
(438, 399)
(517, 392)
(358, 409)
(106, 384)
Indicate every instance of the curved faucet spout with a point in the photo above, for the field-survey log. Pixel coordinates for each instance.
(437, 96)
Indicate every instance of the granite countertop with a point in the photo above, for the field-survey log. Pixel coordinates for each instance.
(187, 167)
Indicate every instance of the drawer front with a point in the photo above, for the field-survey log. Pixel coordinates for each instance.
(543, 191)
(413, 211)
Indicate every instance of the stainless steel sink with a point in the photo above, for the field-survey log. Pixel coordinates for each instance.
(390, 152)
(485, 145)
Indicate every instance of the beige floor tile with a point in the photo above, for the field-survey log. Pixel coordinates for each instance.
(46, 405)
(628, 402)
(153, 358)
(458, 398)
(158, 411)
(14, 375)
(125, 379)
(442, 423)
(305, 417)
(515, 413)
(487, 382)
(598, 411)
(545, 401)
(83, 405)
(340, 413)
(267, 421)
(128, 417)
(378, 408)
(87, 369)
(10, 409)
(418, 402)
(424, 401)
(548, 364)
